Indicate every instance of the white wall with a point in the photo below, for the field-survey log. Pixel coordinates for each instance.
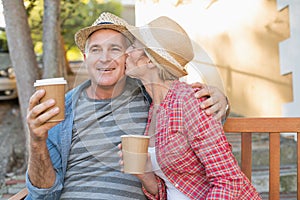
(2, 23)
(290, 55)
(241, 38)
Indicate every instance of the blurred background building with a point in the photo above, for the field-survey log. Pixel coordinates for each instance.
(247, 48)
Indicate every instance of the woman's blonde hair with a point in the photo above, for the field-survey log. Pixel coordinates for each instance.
(162, 72)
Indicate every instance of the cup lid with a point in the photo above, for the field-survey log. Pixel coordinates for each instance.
(50, 81)
(135, 136)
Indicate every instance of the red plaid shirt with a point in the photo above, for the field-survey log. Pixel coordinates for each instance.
(193, 152)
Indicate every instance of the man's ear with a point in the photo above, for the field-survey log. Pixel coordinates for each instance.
(84, 59)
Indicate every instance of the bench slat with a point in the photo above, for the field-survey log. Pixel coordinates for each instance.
(274, 165)
(266, 125)
(246, 154)
(273, 126)
(20, 195)
(298, 165)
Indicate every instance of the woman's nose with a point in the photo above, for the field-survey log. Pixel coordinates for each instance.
(126, 55)
(128, 50)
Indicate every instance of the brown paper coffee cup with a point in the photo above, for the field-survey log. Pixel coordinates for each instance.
(55, 89)
(135, 153)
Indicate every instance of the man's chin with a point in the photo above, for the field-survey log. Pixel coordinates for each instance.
(106, 82)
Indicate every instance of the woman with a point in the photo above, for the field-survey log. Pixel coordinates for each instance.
(188, 148)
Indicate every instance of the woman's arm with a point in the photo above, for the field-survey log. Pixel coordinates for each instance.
(153, 186)
(208, 141)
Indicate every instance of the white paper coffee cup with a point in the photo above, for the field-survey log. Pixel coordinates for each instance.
(55, 89)
(135, 153)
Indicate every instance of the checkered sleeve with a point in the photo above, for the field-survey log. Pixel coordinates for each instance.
(162, 193)
(208, 141)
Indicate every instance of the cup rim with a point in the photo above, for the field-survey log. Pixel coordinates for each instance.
(136, 136)
(50, 81)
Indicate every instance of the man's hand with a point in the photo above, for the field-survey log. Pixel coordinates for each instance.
(37, 116)
(216, 103)
(40, 170)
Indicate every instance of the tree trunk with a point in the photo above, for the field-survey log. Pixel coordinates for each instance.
(51, 40)
(65, 61)
(21, 53)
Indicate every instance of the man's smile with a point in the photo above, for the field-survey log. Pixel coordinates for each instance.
(105, 69)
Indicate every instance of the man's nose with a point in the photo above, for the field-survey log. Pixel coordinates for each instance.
(104, 56)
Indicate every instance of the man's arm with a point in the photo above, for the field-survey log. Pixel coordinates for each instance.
(216, 103)
(40, 169)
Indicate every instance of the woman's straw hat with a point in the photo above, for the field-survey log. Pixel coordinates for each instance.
(105, 21)
(167, 43)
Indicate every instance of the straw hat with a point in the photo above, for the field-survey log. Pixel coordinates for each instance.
(167, 43)
(105, 21)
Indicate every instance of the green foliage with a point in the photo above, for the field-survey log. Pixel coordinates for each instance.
(3, 41)
(75, 19)
(35, 11)
(75, 14)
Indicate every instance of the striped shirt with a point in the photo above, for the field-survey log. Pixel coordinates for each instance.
(93, 170)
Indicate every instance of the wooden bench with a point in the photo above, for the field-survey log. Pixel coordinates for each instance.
(273, 127)
(20, 195)
(247, 126)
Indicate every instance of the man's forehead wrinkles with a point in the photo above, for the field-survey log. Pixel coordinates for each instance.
(105, 45)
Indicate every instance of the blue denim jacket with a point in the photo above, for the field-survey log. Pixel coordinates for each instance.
(59, 142)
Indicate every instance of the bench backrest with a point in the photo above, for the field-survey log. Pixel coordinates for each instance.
(272, 126)
(247, 126)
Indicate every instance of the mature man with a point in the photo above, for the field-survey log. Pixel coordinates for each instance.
(77, 158)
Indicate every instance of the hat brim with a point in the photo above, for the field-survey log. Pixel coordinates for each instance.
(169, 66)
(83, 34)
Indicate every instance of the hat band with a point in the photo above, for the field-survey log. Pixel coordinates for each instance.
(153, 44)
(104, 23)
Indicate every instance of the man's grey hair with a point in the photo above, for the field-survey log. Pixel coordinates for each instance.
(86, 50)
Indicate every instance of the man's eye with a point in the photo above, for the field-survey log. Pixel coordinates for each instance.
(95, 50)
(116, 49)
